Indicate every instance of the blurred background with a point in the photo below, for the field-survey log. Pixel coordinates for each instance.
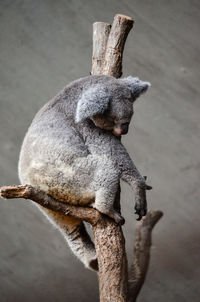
(43, 46)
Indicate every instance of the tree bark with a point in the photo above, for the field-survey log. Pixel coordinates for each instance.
(112, 261)
(141, 255)
(108, 45)
(101, 32)
(115, 46)
(89, 215)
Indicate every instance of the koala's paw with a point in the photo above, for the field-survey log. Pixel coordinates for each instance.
(140, 211)
(140, 200)
(117, 217)
(140, 208)
(112, 214)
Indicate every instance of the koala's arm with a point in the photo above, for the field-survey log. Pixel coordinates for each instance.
(128, 171)
(111, 146)
(117, 153)
(130, 174)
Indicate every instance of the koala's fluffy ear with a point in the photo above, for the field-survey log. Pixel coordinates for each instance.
(93, 101)
(136, 86)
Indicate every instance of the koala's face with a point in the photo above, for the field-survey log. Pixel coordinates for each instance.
(117, 116)
(109, 104)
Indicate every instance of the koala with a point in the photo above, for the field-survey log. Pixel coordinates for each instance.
(72, 151)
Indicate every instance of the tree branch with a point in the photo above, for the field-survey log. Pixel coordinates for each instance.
(115, 46)
(28, 192)
(108, 45)
(101, 32)
(141, 256)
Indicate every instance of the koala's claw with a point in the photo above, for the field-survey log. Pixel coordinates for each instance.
(120, 220)
(139, 217)
(148, 187)
(116, 217)
(140, 210)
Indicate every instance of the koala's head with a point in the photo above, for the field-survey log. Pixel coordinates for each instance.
(109, 104)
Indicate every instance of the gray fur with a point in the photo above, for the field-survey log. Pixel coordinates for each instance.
(87, 107)
(72, 152)
(136, 86)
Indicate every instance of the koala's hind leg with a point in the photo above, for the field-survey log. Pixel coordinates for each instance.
(76, 236)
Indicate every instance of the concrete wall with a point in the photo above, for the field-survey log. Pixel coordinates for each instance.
(43, 46)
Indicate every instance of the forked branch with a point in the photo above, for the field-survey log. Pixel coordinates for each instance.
(141, 255)
(108, 45)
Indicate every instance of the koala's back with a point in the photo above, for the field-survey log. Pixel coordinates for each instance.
(53, 152)
(54, 155)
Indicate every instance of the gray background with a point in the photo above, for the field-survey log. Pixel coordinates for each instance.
(43, 46)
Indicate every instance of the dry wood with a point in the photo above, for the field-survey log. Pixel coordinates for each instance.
(111, 254)
(141, 254)
(108, 45)
(115, 46)
(28, 192)
(101, 32)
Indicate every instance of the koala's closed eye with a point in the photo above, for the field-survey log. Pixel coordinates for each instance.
(112, 119)
(104, 122)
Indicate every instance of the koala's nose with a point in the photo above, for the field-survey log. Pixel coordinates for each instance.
(124, 128)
